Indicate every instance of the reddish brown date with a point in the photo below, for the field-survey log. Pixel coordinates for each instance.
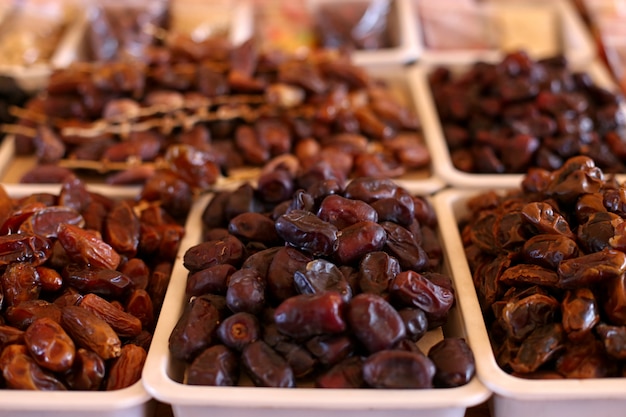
(303, 316)
(86, 248)
(24, 248)
(49, 345)
(90, 332)
(126, 368)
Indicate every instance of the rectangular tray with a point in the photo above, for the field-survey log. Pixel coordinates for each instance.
(133, 401)
(162, 373)
(573, 39)
(433, 132)
(516, 397)
(402, 81)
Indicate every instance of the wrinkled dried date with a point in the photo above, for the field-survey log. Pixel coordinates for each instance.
(90, 332)
(550, 298)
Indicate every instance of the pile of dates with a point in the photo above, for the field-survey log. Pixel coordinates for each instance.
(82, 279)
(214, 108)
(310, 282)
(549, 266)
(519, 113)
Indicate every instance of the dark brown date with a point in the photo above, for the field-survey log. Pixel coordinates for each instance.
(548, 250)
(216, 366)
(209, 280)
(413, 289)
(280, 273)
(359, 239)
(375, 322)
(329, 350)
(398, 369)
(195, 329)
(342, 212)
(614, 340)
(538, 348)
(265, 367)
(307, 232)
(401, 244)
(254, 227)
(320, 276)
(376, 271)
(239, 330)
(454, 362)
(305, 315)
(579, 309)
(346, 374)
(229, 250)
(245, 292)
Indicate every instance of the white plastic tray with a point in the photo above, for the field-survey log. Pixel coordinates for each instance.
(572, 38)
(161, 375)
(133, 401)
(516, 397)
(433, 133)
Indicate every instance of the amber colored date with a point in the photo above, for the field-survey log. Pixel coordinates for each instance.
(49, 345)
(20, 371)
(24, 248)
(87, 371)
(91, 332)
(126, 368)
(124, 324)
(86, 248)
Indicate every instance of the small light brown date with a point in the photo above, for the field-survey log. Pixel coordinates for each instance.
(91, 332)
(87, 371)
(126, 369)
(124, 324)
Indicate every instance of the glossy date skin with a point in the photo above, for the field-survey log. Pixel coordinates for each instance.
(338, 288)
(77, 314)
(549, 297)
